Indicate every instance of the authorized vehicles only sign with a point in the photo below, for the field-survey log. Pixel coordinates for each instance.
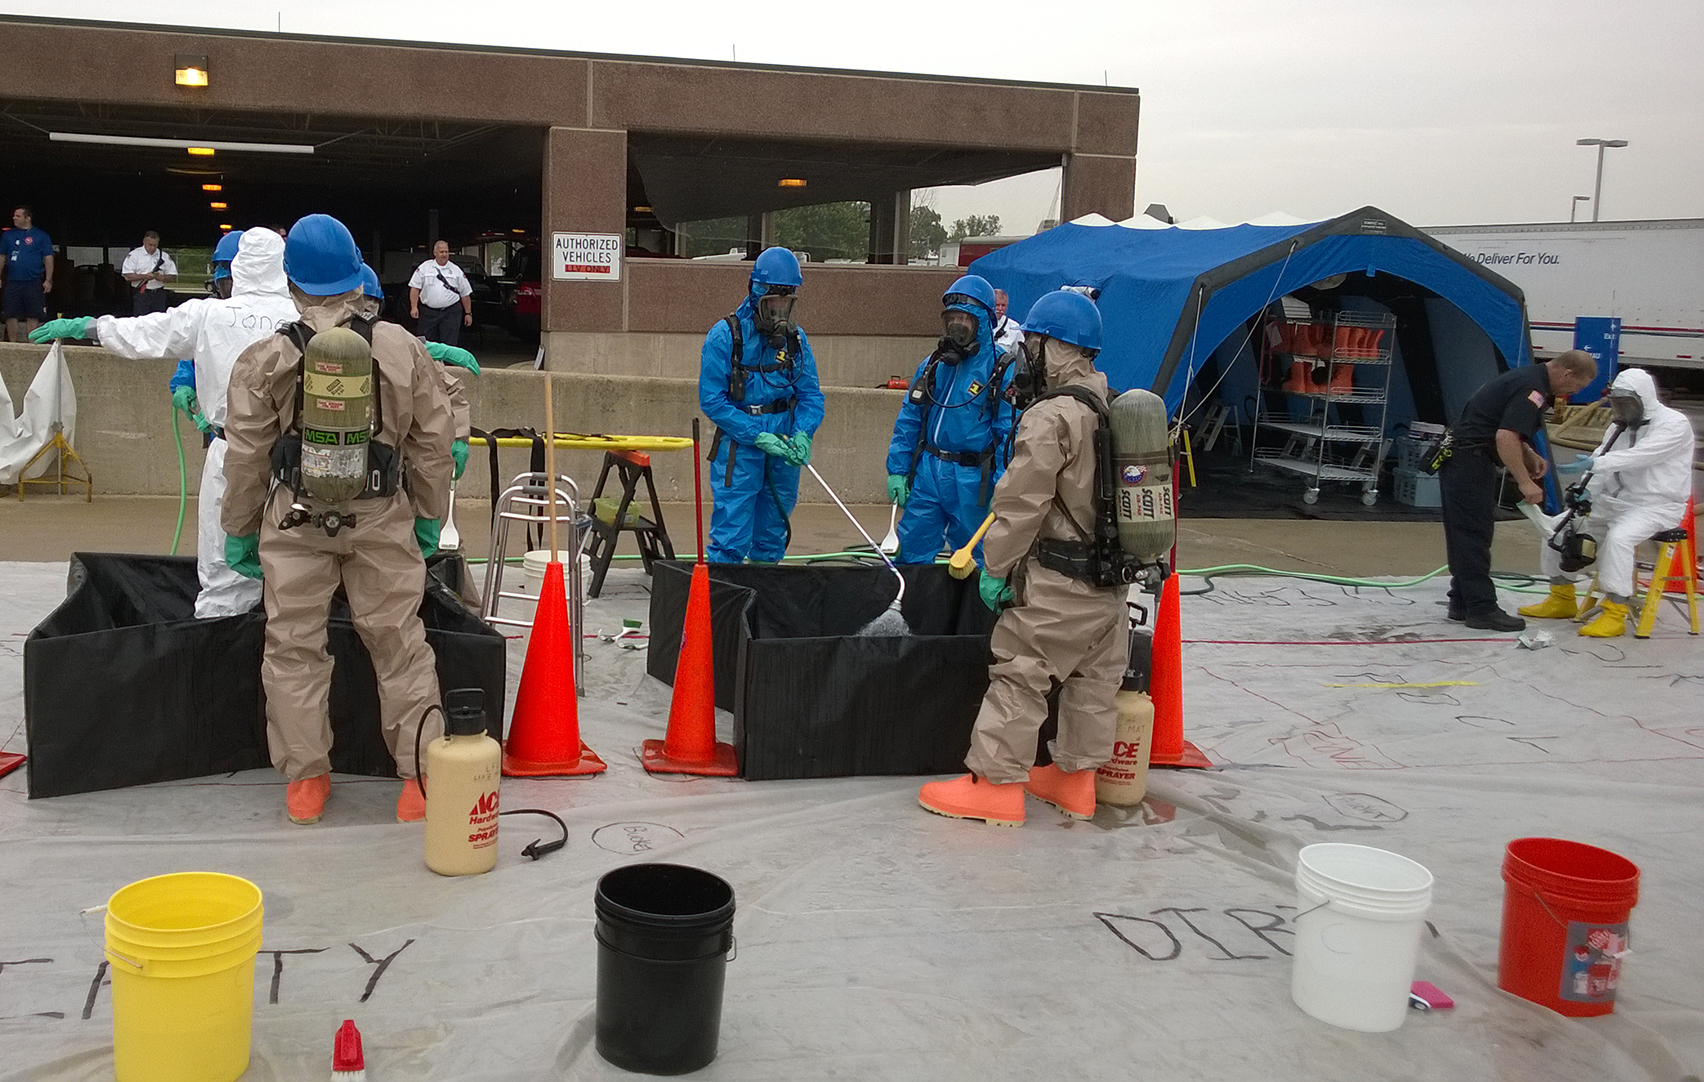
(586, 257)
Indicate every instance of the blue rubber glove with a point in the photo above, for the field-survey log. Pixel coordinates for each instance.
(771, 444)
(62, 328)
(458, 451)
(899, 489)
(242, 555)
(182, 376)
(994, 591)
(455, 355)
(801, 449)
(426, 532)
(1581, 464)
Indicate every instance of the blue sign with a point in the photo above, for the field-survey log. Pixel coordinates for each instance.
(1601, 337)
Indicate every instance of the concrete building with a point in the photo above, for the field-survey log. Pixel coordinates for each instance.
(406, 142)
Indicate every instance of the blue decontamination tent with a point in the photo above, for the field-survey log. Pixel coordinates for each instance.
(1171, 296)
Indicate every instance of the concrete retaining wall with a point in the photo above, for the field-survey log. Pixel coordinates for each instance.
(124, 419)
(841, 360)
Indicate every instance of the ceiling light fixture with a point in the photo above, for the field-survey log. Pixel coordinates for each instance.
(203, 148)
(212, 187)
(191, 69)
(224, 227)
(790, 182)
(218, 206)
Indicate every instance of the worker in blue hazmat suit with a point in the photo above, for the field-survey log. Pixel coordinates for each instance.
(213, 332)
(948, 446)
(758, 385)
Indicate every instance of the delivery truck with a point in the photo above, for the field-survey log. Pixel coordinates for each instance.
(1650, 275)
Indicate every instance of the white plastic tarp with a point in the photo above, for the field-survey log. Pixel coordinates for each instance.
(50, 398)
(876, 941)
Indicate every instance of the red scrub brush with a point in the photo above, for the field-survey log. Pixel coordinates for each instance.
(347, 1062)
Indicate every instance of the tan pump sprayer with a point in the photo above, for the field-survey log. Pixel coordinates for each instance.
(463, 769)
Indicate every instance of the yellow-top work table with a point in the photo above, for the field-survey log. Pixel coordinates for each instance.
(630, 459)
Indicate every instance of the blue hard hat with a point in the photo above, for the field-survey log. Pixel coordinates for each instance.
(224, 252)
(1067, 316)
(776, 267)
(321, 258)
(370, 283)
(971, 287)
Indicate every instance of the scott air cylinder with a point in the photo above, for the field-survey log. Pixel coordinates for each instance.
(1141, 454)
(337, 415)
(463, 769)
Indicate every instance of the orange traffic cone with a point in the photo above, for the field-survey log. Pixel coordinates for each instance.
(1165, 687)
(544, 735)
(1685, 554)
(689, 746)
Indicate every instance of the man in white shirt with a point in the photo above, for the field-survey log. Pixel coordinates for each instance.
(437, 294)
(148, 269)
(1007, 335)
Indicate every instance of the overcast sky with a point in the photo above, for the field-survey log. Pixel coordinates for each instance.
(1439, 111)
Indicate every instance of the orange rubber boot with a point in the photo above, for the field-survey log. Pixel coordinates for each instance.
(304, 801)
(411, 804)
(1072, 792)
(970, 797)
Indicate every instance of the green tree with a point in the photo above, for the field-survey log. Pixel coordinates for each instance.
(713, 236)
(927, 234)
(977, 225)
(826, 231)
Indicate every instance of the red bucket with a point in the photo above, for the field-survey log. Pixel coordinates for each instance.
(1565, 908)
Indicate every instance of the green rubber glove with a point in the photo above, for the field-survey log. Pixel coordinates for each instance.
(184, 399)
(994, 590)
(771, 444)
(899, 489)
(801, 449)
(426, 532)
(242, 554)
(455, 355)
(62, 328)
(458, 451)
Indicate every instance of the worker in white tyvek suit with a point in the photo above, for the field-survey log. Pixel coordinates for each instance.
(212, 332)
(1640, 479)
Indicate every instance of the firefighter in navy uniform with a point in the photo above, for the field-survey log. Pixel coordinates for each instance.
(758, 385)
(379, 560)
(1497, 425)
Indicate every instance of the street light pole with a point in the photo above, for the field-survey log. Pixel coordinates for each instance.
(1602, 145)
(1574, 207)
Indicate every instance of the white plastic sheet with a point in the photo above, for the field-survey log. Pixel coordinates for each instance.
(877, 941)
(51, 398)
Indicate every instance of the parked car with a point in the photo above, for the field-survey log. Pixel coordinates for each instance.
(522, 293)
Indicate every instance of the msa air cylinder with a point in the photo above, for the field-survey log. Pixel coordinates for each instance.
(1141, 453)
(337, 415)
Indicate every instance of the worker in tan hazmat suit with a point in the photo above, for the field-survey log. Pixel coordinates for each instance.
(379, 561)
(1055, 628)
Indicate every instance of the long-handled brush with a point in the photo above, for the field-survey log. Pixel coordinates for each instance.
(891, 622)
(963, 561)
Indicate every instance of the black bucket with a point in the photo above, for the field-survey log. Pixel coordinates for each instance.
(664, 932)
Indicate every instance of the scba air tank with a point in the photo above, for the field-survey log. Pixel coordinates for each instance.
(337, 415)
(463, 769)
(1141, 454)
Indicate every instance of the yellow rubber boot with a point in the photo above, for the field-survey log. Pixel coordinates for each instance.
(969, 797)
(1611, 622)
(1560, 605)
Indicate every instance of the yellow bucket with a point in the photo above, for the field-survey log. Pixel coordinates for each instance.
(181, 951)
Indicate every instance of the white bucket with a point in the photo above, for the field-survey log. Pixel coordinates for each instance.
(534, 563)
(1359, 912)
